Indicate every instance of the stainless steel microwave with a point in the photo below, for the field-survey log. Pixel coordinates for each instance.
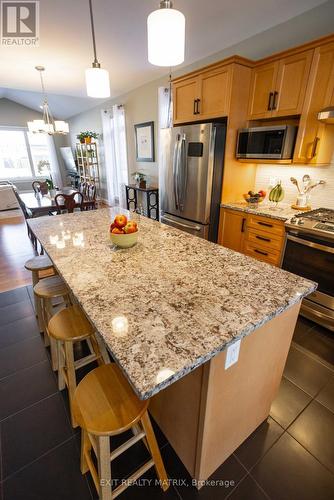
(274, 142)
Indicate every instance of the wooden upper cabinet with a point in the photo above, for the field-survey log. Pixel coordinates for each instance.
(204, 96)
(291, 83)
(278, 88)
(315, 140)
(261, 93)
(215, 90)
(185, 94)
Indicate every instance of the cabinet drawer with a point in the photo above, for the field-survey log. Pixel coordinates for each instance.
(267, 255)
(266, 224)
(264, 239)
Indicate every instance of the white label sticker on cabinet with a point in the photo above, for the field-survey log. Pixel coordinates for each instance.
(232, 354)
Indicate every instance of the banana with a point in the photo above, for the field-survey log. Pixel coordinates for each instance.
(277, 193)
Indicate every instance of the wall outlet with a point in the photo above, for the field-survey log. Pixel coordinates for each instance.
(232, 354)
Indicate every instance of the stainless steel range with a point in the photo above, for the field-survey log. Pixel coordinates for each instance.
(309, 252)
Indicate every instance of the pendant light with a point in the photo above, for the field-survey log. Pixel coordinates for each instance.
(166, 35)
(47, 125)
(97, 79)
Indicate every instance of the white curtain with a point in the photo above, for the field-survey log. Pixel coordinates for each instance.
(54, 165)
(115, 154)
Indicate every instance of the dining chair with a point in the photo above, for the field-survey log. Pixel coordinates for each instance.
(27, 215)
(90, 199)
(83, 188)
(68, 202)
(40, 187)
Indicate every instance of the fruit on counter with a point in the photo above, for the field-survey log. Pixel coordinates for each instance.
(117, 230)
(131, 227)
(252, 197)
(120, 220)
(117, 226)
(277, 193)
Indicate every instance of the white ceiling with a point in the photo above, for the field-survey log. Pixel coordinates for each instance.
(66, 50)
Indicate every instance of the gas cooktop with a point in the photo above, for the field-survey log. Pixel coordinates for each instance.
(319, 222)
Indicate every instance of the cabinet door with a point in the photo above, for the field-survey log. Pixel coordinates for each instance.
(185, 94)
(290, 87)
(315, 140)
(215, 93)
(262, 88)
(232, 229)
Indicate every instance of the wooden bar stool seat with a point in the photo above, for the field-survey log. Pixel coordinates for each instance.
(46, 290)
(105, 405)
(36, 265)
(66, 327)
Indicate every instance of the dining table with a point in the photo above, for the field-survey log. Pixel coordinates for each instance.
(40, 205)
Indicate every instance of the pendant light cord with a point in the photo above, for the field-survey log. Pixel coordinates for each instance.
(95, 63)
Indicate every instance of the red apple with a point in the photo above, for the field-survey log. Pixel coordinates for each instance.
(117, 230)
(262, 193)
(130, 227)
(112, 226)
(120, 220)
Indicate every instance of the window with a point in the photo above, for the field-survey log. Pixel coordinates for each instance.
(23, 155)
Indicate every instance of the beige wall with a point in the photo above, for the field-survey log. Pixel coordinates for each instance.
(141, 103)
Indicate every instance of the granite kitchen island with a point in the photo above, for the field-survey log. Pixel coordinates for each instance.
(167, 310)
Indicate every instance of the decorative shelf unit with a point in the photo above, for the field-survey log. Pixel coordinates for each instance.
(88, 164)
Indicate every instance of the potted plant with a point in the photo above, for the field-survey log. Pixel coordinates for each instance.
(86, 137)
(140, 179)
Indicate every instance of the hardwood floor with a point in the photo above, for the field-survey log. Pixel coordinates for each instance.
(15, 250)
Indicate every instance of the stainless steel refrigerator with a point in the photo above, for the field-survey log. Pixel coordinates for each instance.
(191, 175)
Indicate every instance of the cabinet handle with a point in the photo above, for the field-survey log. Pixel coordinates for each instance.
(315, 147)
(275, 100)
(243, 225)
(265, 224)
(269, 101)
(263, 239)
(198, 109)
(259, 251)
(195, 102)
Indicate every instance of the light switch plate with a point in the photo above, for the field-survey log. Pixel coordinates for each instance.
(232, 354)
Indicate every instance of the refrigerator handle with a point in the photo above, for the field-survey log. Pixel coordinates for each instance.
(182, 172)
(175, 170)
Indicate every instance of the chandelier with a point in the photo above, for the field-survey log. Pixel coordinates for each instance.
(47, 125)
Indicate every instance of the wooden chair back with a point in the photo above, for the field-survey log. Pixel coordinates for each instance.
(40, 187)
(27, 214)
(69, 202)
(83, 188)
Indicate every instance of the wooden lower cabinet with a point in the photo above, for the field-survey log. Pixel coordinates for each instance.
(260, 237)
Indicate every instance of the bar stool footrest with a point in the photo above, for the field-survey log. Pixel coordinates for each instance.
(136, 475)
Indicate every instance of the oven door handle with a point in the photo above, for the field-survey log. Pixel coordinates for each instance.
(310, 244)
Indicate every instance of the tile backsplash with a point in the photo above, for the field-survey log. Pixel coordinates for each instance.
(320, 195)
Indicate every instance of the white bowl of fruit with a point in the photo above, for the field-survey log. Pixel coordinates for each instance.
(123, 232)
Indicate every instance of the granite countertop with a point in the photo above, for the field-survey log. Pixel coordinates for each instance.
(282, 212)
(168, 304)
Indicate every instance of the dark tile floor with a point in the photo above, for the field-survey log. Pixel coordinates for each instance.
(291, 455)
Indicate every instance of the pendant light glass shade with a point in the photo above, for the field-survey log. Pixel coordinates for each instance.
(166, 36)
(97, 82)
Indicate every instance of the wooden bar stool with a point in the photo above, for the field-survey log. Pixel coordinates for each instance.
(36, 265)
(104, 406)
(46, 290)
(66, 327)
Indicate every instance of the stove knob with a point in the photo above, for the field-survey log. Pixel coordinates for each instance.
(300, 222)
(293, 220)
